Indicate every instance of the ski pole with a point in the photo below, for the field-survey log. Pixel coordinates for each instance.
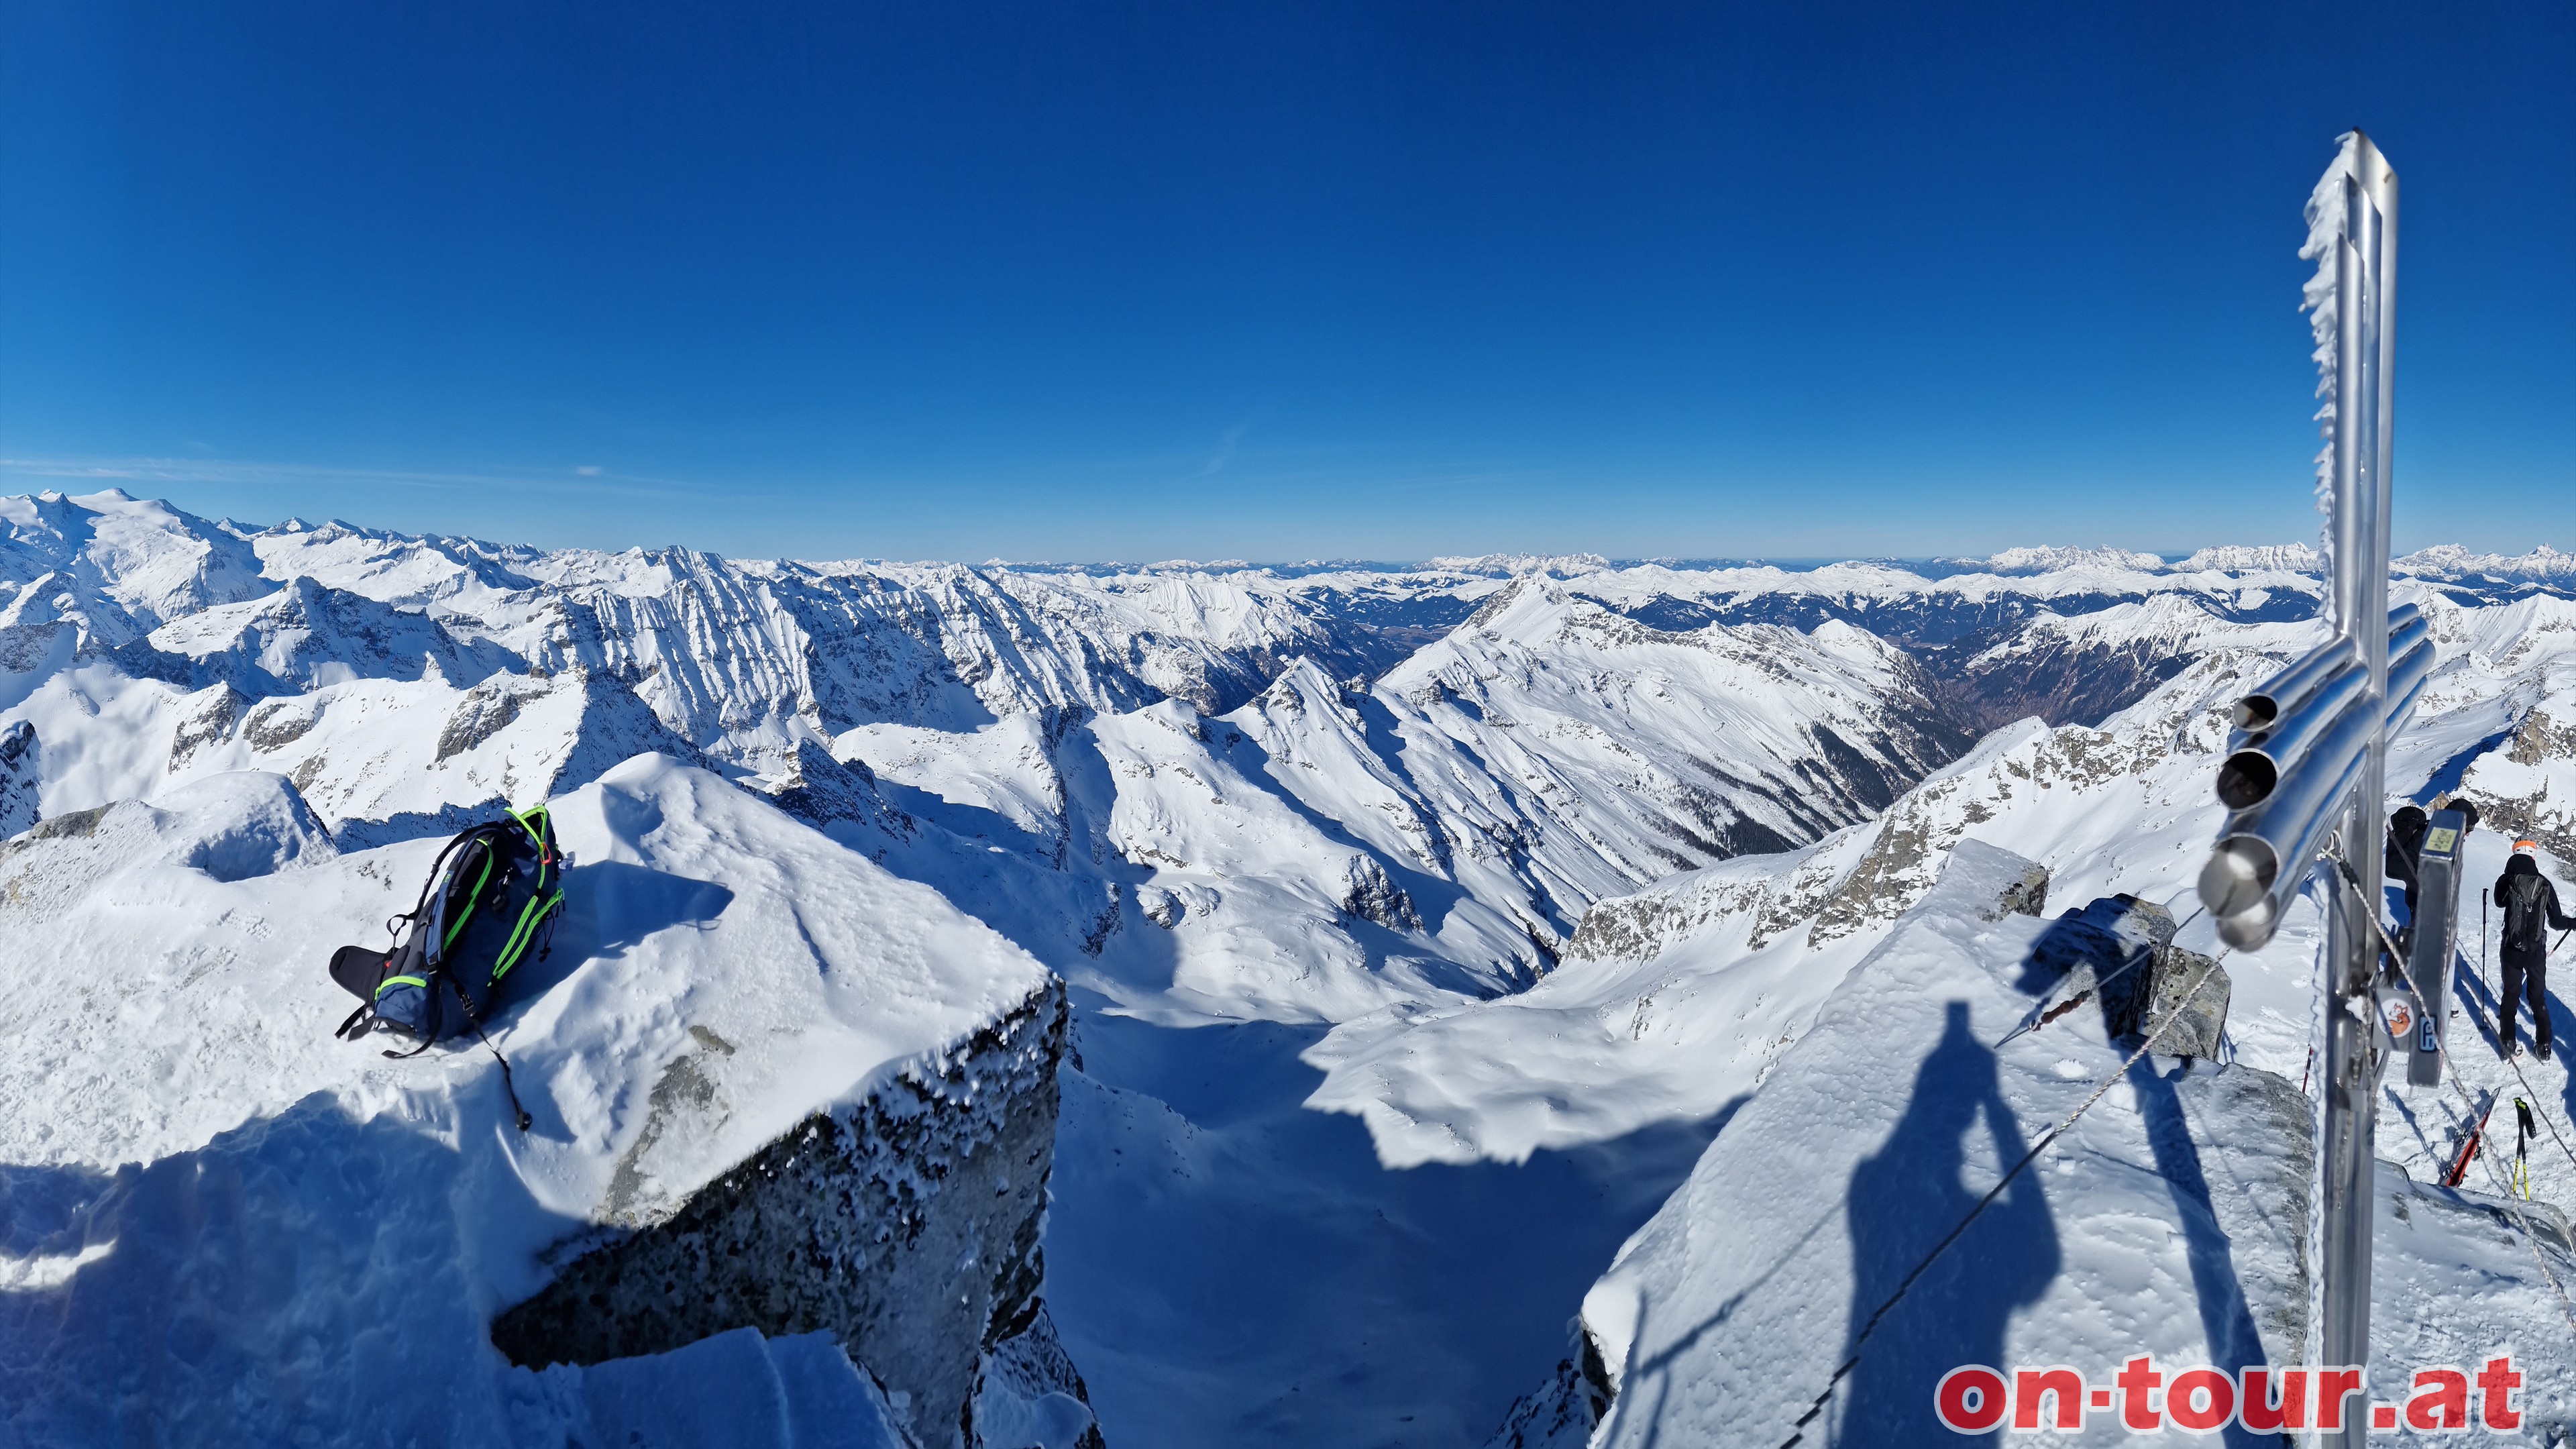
(2522, 1135)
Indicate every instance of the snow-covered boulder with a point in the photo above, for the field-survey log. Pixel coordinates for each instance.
(227, 828)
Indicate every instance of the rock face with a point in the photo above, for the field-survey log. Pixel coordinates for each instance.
(17, 778)
(2512, 788)
(2119, 951)
(1565, 1411)
(906, 1224)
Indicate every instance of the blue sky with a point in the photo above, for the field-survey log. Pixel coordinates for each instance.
(1149, 280)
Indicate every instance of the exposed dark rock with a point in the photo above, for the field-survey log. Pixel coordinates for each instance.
(2540, 739)
(907, 1224)
(279, 723)
(1563, 1412)
(1368, 892)
(19, 759)
(1025, 1383)
(2119, 952)
(485, 711)
(821, 790)
(211, 723)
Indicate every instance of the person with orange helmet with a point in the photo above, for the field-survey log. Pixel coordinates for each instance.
(2529, 903)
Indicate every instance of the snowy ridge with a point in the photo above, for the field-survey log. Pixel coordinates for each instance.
(2296, 558)
(1515, 565)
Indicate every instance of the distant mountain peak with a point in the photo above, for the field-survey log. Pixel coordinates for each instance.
(2047, 559)
(1515, 565)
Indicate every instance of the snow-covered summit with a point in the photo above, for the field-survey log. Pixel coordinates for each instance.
(130, 566)
(2296, 558)
(1514, 565)
(2450, 561)
(2045, 560)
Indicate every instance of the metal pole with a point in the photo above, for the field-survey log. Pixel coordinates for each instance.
(2354, 1052)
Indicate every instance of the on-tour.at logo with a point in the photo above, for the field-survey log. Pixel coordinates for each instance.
(1975, 1399)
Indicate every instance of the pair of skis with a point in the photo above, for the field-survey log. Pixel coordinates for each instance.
(2524, 1130)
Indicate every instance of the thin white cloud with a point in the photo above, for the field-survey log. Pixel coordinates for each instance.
(1224, 452)
(103, 472)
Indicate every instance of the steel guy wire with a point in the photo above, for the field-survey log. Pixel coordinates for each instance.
(1992, 1193)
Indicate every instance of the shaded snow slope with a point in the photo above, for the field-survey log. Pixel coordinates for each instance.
(1232, 1270)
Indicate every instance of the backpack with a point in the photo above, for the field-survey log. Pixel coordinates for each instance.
(492, 897)
(2526, 920)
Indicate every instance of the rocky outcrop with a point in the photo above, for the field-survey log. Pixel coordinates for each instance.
(18, 761)
(823, 791)
(1369, 893)
(906, 1224)
(1028, 1395)
(210, 722)
(2512, 790)
(2119, 953)
(1566, 1409)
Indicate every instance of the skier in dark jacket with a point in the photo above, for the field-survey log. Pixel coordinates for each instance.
(2529, 904)
(2405, 843)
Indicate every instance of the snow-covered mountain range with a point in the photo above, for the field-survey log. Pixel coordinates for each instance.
(1547, 866)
